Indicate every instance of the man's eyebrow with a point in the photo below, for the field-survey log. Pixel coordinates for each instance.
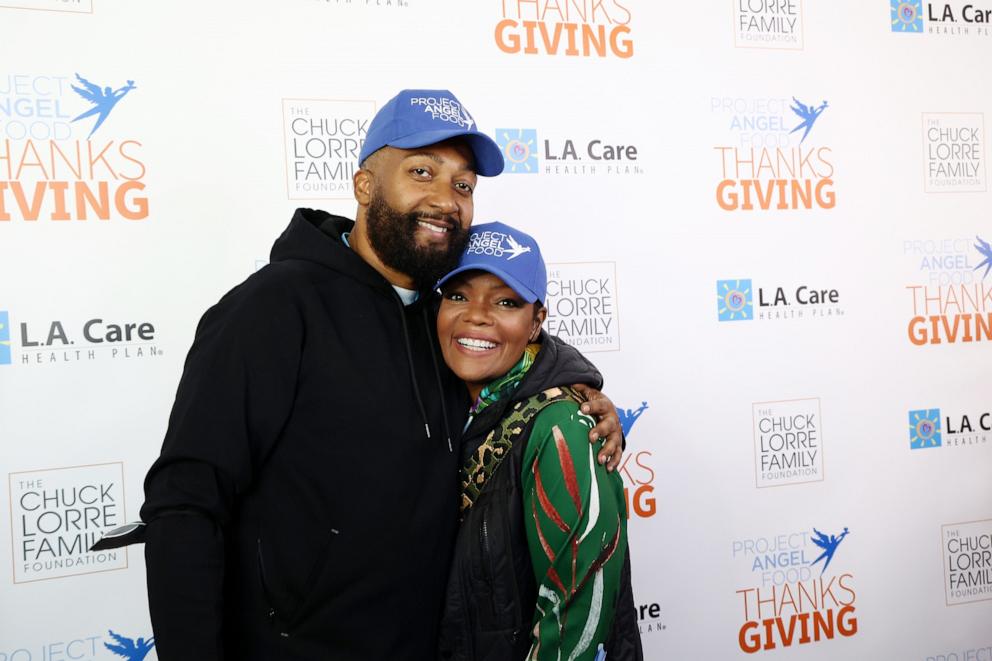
(429, 154)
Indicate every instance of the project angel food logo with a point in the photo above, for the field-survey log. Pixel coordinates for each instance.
(566, 155)
(46, 341)
(636, 470)
(323, 140)
(788, 442)
(768, 24)
(967, 561)
(797, 590)
(775, 156)
(736, 300)
(575, 28)
(961, 18)
(61, 157)
(582, 305)
(983, 653)
(954, 152)
(113, 645)
(58, 514)
(929, 429)
(949, 298)
(71, 6)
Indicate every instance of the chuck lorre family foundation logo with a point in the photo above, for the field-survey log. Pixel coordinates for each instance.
(768, 24)
(967, 561)
(61, 157)
(582, 305)
(58, 514)
(323, 140)
(788, 442)
(775, 157)
(954, 152)
(794, 594)
(575, 28)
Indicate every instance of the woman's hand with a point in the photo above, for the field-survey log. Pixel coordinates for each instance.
(607, 426)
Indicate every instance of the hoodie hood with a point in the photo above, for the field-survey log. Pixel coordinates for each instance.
(315, 236)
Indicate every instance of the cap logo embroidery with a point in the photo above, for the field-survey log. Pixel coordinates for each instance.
(444, 109)
(496, 244)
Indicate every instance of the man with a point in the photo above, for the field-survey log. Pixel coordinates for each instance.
(305, 502)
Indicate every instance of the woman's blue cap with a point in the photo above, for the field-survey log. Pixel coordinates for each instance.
(508, 253)
(417, 118)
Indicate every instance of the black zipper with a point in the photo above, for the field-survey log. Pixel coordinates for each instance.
(487, 566)
(271, 613)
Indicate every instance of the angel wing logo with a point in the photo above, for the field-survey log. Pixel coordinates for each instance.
(829, 544)
(985, 249)
(808, 114)
(132, 650)
(515, 248)
(103, 100)
(629, 416)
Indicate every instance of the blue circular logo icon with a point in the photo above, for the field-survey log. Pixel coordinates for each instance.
(517, 151)
(925, 429)
(907, 12)
(735, 300)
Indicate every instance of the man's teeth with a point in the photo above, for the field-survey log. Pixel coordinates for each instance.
(476, 345)
(433, 228)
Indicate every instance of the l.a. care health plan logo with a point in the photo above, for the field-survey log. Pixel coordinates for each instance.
(57, 514)
(519, 150)
(907, 16)
(736, 301)
(582, 305)
(924, 429)
(62, 160)
(768, 24)
(323, 138)
(788, 442)
(566, 154)
(967, 551)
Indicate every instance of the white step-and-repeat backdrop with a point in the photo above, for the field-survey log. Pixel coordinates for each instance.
(768, 222)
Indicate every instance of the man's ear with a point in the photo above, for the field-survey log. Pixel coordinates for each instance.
(362, 185)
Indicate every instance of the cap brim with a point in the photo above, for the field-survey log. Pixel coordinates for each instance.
(488, 155)
(514, 284)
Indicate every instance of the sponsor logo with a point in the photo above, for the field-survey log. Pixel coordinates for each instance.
(924, 429)
(967, 561)
(734, 300)
(582, 305)
(972, 654)
(5, 353)
(773, 160)
(84, 648)
(578, 28)
(775, 303)
(72, 6)
(960, 18)
(495, 244)
(954, 152)
(323, 140)
(768, 24)
(649, 618)
(907, 16)
(636, 471)
(519, 150)
(929, 429)
(43, 343)
(566, 155)
(60, 158)
(954, 302)
(788, 442)
(794, 594)
(58, 514)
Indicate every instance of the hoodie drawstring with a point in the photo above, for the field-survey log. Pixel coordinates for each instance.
(413, 373)
(437, 378)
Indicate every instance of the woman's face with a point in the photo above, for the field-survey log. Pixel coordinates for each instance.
(483, 327)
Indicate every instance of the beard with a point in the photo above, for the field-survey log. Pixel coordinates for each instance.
(392, 235)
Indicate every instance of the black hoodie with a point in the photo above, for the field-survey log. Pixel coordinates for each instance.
(304, 505)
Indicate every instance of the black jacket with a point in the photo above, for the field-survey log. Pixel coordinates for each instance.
(305, 502)
(489, 605)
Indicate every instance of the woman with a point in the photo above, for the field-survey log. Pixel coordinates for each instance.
(540, 568)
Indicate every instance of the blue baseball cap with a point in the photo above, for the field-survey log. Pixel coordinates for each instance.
(508, 253)
(417, 118)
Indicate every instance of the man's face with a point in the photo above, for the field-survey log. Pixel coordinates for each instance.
(421, 208)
